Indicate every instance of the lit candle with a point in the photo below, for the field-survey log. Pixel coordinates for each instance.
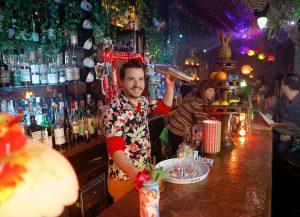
(242, 132)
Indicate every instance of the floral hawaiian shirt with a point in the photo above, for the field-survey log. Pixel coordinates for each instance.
(121, 119)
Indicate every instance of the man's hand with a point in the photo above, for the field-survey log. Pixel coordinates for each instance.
(169, 91)
(285, 138)
(269, 115)
(170, 82)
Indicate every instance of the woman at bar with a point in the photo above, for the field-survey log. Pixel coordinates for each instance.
(189, 113)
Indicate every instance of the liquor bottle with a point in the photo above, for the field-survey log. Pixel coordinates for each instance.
(74, 122)
(100, 118)
(86, 130)
(67, 126)
(42, 67)
(15, 72)
(22, 122)
(90, 123)
(73, 37)
(52, 74)
(75, 70)
(34, 28)
(46, 129)
(34, 68)
(38, 110)
(25, 70)
(60, 69)
(68, 68)
(58, 129)
(81, 112)
(34, 130)
(4, 73)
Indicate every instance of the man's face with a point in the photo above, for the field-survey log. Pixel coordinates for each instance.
(284, 89)
(134, 83)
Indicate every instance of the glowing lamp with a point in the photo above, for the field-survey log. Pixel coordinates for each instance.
(261, 56)
(186, 62)
(35, 178)
(246, 69)
(262, 22)
(242, 132)
(250, 52)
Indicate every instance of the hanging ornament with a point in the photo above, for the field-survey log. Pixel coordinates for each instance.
(251, 53)
(246, 69)
(261, 56)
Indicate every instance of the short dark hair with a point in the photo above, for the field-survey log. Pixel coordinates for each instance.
(292, 80)
(132, 63)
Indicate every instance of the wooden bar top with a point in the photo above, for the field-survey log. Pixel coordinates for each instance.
(238, 184)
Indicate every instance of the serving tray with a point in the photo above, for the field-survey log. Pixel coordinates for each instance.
(200, 173)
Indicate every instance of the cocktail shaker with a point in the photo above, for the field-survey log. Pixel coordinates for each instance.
(172, 72)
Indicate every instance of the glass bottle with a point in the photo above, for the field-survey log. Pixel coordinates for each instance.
(25, 70)
(100, 118)
(52, 74)
(68, 69)
(90, 123)
(38, 110)
(74, 122)
(67, 126)
(22, 121)
(4, 73)
(60, 69)
(34, 130)
(15, 72)
(58, 129)
(42, 67)
(73, 37)
(75, 70)
(34, 68)
(46, 129)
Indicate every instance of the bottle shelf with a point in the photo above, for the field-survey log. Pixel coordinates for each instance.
(39, 86)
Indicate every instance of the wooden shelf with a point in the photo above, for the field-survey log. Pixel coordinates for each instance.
(78, 147)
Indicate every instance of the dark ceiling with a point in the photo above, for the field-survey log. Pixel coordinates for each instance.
(221, 15)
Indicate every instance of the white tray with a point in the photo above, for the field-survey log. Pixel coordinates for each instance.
(201, 172)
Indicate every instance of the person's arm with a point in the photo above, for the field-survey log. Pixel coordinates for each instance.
(169, 91)
(125, 164)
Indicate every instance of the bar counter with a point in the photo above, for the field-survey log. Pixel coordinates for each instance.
(238, 184)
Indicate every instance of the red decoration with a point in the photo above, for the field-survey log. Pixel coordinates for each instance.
(141, 177)
(271, 58)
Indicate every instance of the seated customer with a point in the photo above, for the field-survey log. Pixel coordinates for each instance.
(287, 109)
(189, 113)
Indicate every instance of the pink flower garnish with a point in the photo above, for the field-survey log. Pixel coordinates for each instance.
(141, 177)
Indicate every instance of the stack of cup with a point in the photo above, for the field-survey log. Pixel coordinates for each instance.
(211, 136)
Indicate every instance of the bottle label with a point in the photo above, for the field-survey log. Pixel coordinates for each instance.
(43, 73)
(35, 77)
(69, 74)
(52, 76)
(76, 74)
(59, 136)
(4, 76)
(81, 129)
(16, 77)
(91, 126)
(75, 129)
(47, 139)
(36, 136)
(25, 75)
(62, 77)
